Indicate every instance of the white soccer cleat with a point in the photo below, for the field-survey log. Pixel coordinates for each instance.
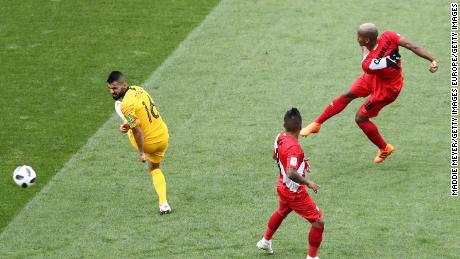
(265, 245)
(165, 208)
(309, 257)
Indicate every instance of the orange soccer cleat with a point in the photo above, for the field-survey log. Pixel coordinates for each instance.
(383, 154)
(313, 127)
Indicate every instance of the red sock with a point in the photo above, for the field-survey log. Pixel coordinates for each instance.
(314, 240)
(372, 133)
(273, 224)
(336, 106)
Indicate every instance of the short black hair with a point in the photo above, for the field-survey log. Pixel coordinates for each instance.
(114, 76)
(292, 120)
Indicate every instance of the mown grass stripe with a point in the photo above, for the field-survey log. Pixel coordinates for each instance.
(148, 84)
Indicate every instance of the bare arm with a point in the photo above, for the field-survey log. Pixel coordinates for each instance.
(419, 51)
(139, 137)
(293, 175)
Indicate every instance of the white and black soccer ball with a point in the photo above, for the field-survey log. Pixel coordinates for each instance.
(24, 176)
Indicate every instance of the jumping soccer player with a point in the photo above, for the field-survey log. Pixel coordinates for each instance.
(146, 130)
(292, 193)
(382, 80)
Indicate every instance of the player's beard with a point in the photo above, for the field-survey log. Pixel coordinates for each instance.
(119, 96)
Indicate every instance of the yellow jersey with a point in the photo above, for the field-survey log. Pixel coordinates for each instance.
(139, 109)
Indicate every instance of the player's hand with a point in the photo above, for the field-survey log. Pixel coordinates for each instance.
(142, 157)
(124, 128)
(313, 186)
(433, 66)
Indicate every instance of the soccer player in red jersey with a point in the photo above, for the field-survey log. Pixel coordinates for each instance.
(293, 195)
(382, 80)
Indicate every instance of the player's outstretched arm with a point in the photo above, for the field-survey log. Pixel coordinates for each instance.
(139, 137)
(419, 51)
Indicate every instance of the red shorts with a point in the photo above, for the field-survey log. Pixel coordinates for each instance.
(382, 93)
(301, 203)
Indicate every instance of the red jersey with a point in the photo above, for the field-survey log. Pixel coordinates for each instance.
(289, 154)
(384, 61)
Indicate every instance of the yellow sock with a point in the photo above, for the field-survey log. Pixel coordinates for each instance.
(159, 183)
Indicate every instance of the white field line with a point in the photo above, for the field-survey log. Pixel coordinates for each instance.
(148, 83)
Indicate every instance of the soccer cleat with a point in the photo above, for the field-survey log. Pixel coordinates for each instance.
(313, 127)
(383, 154)
(165, 209)
(309, 257)
(265, 245)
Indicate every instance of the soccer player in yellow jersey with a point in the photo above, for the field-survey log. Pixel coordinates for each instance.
(146, 129)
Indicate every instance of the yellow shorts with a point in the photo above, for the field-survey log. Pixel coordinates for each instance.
(153, 151)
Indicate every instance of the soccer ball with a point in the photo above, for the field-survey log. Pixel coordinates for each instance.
(24, 176)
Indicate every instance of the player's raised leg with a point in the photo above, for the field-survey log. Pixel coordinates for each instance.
(336, 106)
(373, 134)
(359, 88)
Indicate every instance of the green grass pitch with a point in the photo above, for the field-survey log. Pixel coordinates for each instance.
(223, 93)
(56, 57)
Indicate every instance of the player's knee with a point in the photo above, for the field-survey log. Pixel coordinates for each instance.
(350, 96)
(319, 223)
(359, 118)
(153, 166)
(282, 213)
